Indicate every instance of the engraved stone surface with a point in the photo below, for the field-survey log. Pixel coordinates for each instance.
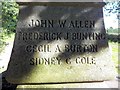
(56, 44)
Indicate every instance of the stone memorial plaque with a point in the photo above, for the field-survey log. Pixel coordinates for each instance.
(55, 43)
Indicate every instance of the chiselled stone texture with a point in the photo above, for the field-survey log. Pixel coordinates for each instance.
(56, 44)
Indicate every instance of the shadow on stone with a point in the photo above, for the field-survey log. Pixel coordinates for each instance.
(18, 66)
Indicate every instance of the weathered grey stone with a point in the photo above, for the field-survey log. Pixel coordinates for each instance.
(50, 53)
(26, 1)
(63, 86)
(109, 85)
(0, 81)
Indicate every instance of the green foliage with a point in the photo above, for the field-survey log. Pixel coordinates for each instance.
(9, 16)
(113, 35)
(112, 7)
(112, 31)
(8, 20)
